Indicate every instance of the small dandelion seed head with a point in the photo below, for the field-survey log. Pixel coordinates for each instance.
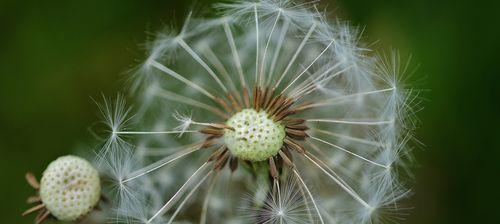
(70, 188)
(255, 136)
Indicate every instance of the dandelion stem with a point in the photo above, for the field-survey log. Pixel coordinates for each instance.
(299, 49)
(280, 204)
(312, 79)
(349, 152)
(262, 67)
(309, 193)
(177, 194)
(216, 62)
(312, 85)
(346, 137)
(181, 205)
(162, 151)
(235, 54)
(152, 132)
(156, 165)
(335, 165)
(204, 210)
(307, 68)
(340, 183)
(308, 209)
(325, 166)
(333, 101)
(176, 75)
(197, 58)
(277, 51)
(186, 100)
(256, 43)
(351, 122)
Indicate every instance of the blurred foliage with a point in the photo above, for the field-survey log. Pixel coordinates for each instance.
(56, 55)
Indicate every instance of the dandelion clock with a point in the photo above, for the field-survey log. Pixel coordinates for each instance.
(267, 113)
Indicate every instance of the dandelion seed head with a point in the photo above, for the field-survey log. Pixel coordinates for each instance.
(70, 188)
(279, 90)
(255, 137)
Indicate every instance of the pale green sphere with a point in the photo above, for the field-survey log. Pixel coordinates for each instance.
(70, 188)
(256, 137)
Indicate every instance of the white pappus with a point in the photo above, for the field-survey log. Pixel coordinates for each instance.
(277, 95)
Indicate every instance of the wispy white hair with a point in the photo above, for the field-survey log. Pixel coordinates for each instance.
(354, 101)
(286, 203)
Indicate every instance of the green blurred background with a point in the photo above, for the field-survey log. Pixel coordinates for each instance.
(55, 55)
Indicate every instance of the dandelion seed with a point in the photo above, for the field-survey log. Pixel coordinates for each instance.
(282, 204)
(185, 122)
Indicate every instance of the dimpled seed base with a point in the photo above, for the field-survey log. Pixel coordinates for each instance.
(256, 137)
(70, 188)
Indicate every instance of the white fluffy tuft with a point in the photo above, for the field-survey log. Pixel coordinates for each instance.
(360, 116)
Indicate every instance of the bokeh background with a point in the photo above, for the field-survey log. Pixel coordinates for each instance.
(56, 55)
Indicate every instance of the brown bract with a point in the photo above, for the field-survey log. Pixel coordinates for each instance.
(278, 107)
